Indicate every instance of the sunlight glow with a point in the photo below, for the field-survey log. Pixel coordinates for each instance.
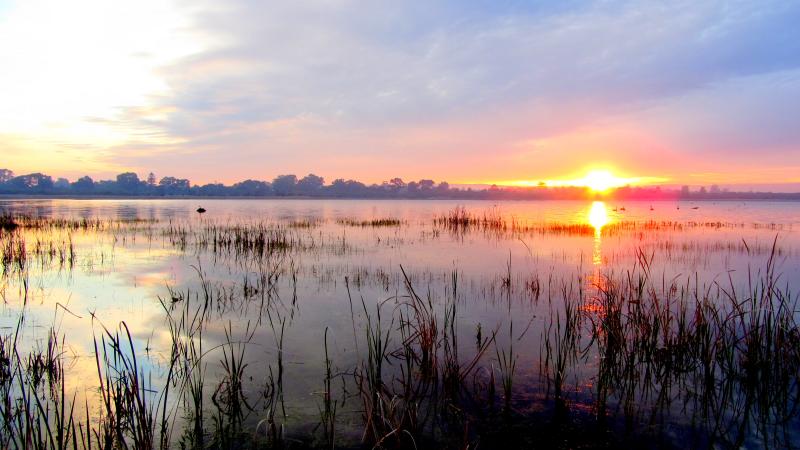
(81, 77)
(598, 180)
(601, 180)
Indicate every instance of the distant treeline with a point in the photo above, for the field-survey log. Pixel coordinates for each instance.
(130, 185)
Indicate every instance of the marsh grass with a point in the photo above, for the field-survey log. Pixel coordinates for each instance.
(371, 223)
(229, 397)
(732, 368)
(492, 222)
(507, 366)
(11, 223)
(8, 223)
(305, 223)
(648, 355)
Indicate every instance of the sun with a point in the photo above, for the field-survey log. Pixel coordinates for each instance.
(600, 180)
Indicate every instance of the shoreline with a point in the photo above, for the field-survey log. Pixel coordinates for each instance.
(781, 198)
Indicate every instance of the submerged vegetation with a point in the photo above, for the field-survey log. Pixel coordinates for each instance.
(406, 358)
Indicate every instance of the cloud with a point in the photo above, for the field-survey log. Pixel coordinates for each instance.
(736, 117)
(369, 89)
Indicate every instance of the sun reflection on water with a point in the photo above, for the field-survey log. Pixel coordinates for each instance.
(598, 218)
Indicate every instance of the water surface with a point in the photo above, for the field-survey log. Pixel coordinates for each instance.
(510, 272)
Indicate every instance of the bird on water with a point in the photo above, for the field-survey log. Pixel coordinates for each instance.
(201, 210)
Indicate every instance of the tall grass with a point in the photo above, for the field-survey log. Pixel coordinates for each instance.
(647, 355)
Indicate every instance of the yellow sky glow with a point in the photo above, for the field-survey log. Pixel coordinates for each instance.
(599, 180)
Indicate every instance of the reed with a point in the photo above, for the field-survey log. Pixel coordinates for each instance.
(649, 354)
(327, 411)
(229, 397)
(507, 366)
(8, 223)
(371, 223)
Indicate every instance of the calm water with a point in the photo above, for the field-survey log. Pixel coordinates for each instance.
(510, 279)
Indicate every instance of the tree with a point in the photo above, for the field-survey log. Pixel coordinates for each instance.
(347, 188)
(151, 179)
(105, 187)
(173, 186)
(36, 182)
(83, 184)
(212, 189)
(128, 182)
(310, 184)
(6, 175)
(426, 185)
(61, 183)
(251, 188)
(394, 186)
(284, 185)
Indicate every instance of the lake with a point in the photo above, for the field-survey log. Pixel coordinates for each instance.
(400, 323)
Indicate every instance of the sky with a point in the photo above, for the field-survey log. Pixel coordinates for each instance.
(679, 92)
